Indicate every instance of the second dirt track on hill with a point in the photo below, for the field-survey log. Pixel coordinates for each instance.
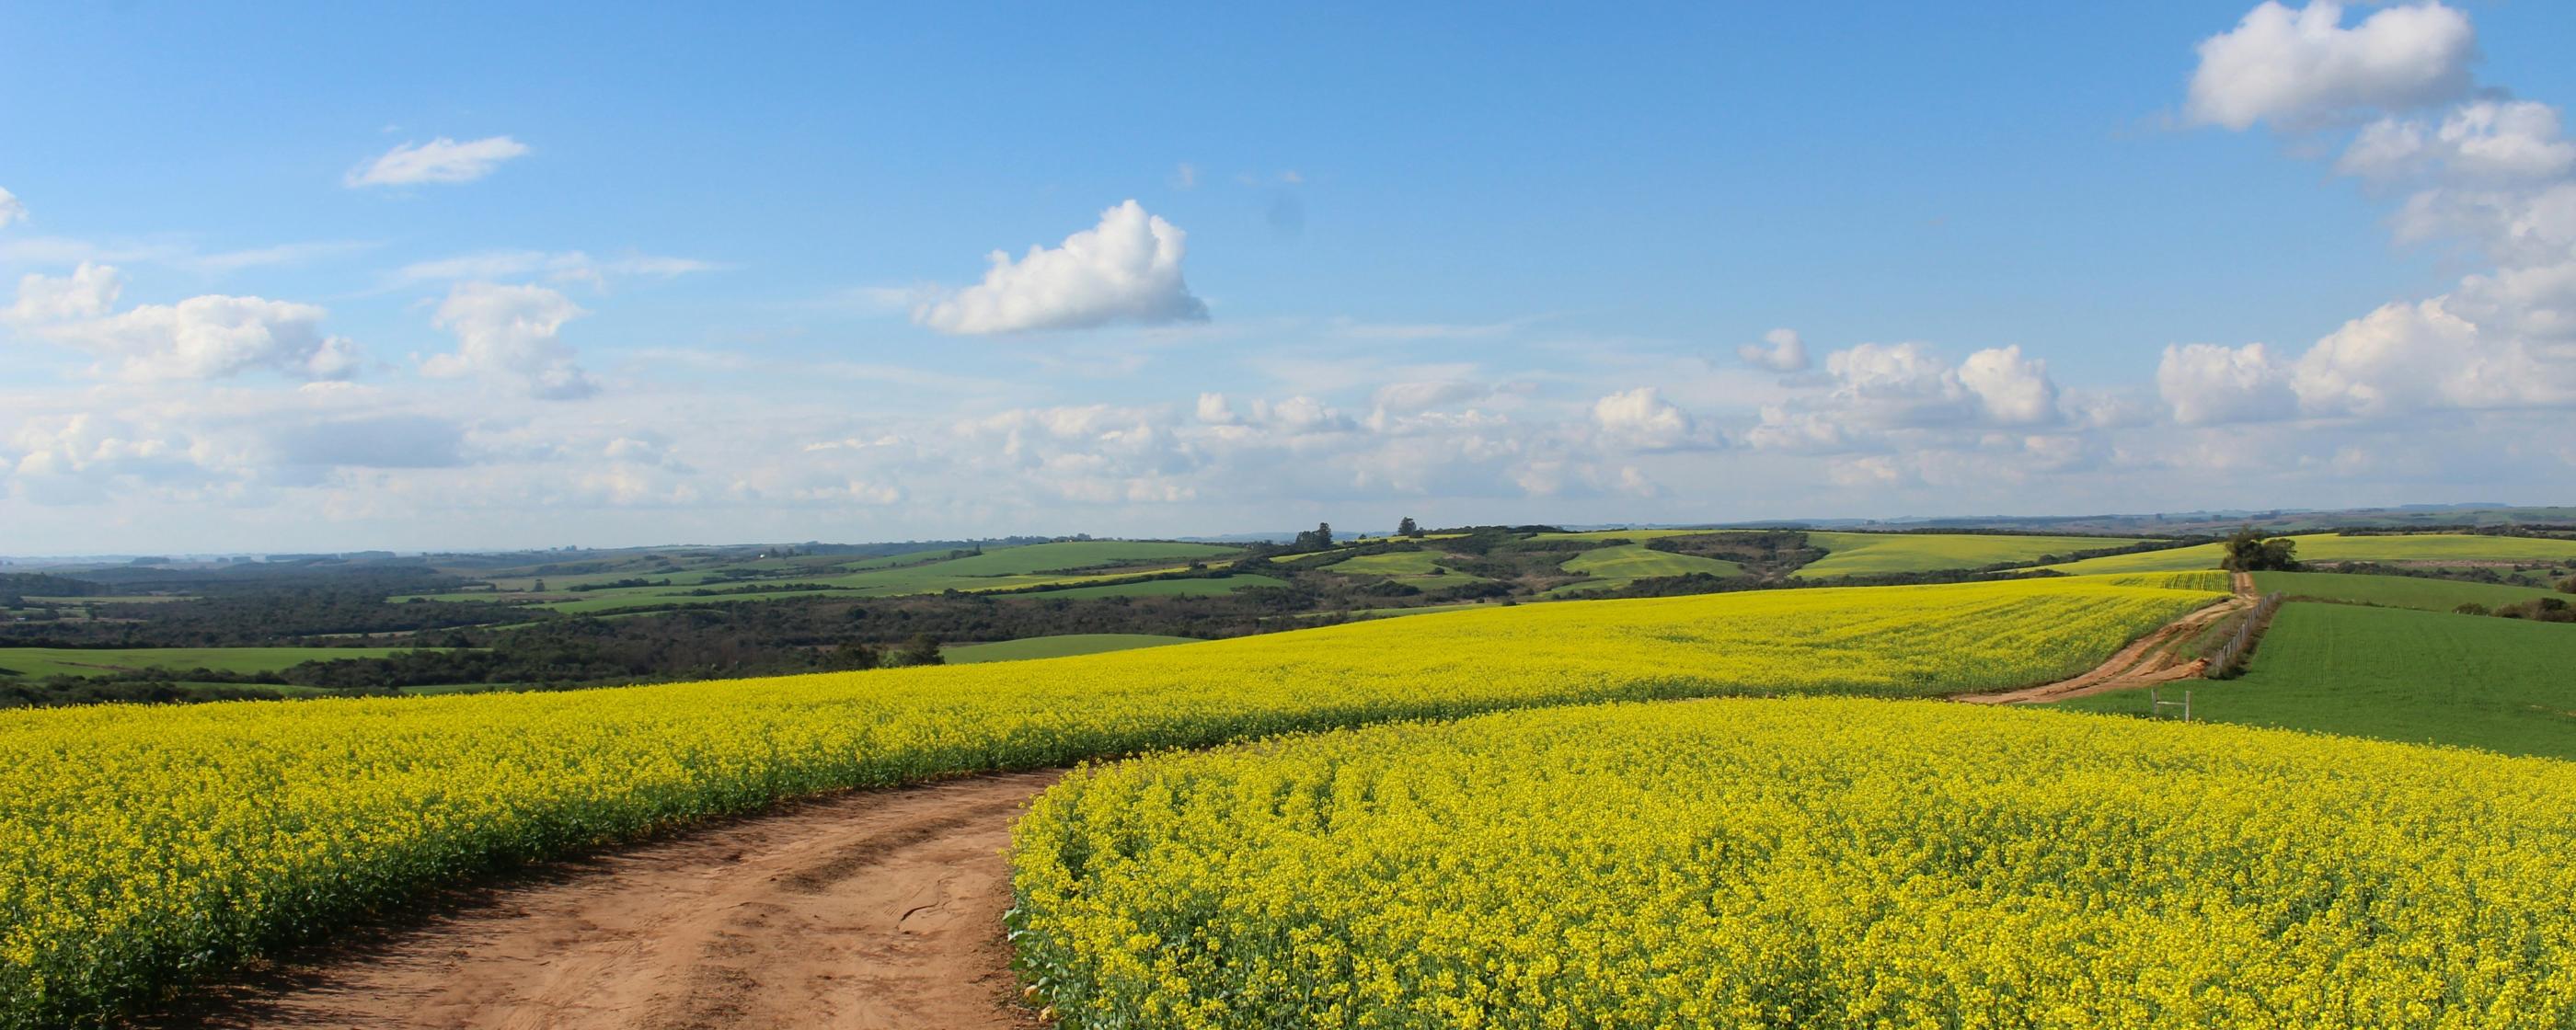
(2147, 660)
(859, 911)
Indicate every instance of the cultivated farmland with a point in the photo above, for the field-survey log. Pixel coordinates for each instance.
(1187, 587)
(2421, 677)
(1612, 567)
(37, 662)
(1060, 646)
(2432, 595)
(2421, 549)
(1861, 554)
(1069, 563)
(1805, 864)
(146, 847)
(1412, 566)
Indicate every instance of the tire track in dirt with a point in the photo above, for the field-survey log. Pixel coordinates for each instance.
(2147, 660)
(869, 910)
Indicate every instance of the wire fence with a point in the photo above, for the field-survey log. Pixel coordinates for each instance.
(2229, 660)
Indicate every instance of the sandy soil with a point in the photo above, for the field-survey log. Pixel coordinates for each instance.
(2144, 662)
(872, 909)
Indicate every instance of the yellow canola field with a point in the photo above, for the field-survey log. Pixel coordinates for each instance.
(143, 847)
(1808, 863)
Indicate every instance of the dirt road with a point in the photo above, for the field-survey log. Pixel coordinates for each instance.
(873, 909)
(2143, 663)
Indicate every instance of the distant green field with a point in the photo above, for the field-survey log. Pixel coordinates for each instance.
(616, 601)
(1075, 554)
(1627, 534)
(1617, 566)
(1391, 563)
(682, 578)
(1055, 647)
(2178, 559)
(2422, 677)
(2432, 595)
(842, 563)
(469, 597)
(2424, 548)
(1357, 614)
(1865, 554)
(1169, 587)
(1001, 568)
(110, 599)
(39, 662)
(1419, 568)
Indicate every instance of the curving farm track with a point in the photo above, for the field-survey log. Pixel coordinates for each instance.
(869, 910)
(2145, 662)
(866, 910)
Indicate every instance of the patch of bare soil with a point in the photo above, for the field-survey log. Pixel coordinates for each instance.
(2146, 661)
(865, 910)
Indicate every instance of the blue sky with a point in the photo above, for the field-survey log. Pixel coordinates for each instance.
(716, 275)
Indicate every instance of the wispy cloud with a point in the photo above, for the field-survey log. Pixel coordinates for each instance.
(441, 160)
(555, 266)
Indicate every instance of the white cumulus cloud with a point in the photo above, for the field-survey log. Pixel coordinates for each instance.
(11, 209)
(1126, 269)
(89, 292)
(2299, 69)
(2490, 174)
(2012, 390)
(2406, 357)
(1641, 419)
(441, 160)
(209, 337)
(1780, 351)
(2206, 383)
(2484, 142)
(511, 334)
(1885, 395)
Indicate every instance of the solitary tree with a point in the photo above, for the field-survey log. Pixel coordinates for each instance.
(2247, 551)
(856, 654)
(1316, 539)
(922, 649)
(1407, 527)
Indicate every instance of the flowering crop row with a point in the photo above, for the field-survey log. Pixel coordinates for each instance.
(1806, 863)
(143, 847)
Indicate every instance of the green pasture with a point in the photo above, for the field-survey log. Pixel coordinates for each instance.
(1002, 568)
(1420, 568)
(2420, 548)
(2432, 595)
(40, 662)
(2421, 677)
(683, 578)
(1059, 646)
(1617, 566)
(1866, 554)
(1626, 534)
(1168, 587)
(1077, 554)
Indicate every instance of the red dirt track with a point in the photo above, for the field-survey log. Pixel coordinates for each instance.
(860, 911)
